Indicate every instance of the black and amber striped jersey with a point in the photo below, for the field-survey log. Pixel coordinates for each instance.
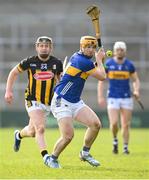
(42, 77)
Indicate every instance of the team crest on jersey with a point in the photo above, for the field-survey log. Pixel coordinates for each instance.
(43, 76)
(112, 67)
(119, 67)
(43, 66)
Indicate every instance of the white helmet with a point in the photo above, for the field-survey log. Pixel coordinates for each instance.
(120, 45)
(44, 39)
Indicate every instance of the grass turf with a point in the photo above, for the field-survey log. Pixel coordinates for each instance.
(28, 164)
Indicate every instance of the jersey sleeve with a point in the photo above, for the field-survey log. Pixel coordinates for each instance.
(85, 65)
(132, 68)
(23, 65)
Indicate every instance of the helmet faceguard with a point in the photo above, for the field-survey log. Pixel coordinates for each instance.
(88, 41)
(44, 53)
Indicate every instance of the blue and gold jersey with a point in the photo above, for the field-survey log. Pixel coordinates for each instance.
(73, 80)
(119, 76)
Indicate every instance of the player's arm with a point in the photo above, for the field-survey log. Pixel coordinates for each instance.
(58, 77)
(136, 85)
(99, 72)
(100, 94)
(9, 85)
(59, 71)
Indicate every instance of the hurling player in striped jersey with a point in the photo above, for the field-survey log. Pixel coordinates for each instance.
(67, 104)
(44, 71)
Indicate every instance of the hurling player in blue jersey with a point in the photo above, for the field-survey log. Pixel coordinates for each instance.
(67, 105)
(119, 71)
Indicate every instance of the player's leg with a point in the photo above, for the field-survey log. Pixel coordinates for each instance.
(67, 133)
(61, 110)
(126, 114)
(113, 107)
(27, 131)
(37, 113)
(37, 119)
(88, 117)
(125, 125)
(113, 115)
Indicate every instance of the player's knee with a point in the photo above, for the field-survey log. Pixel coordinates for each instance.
(97, 125)
(40, 129)
(67, 139)
(125, 126)
(114, 125)
(32, 133)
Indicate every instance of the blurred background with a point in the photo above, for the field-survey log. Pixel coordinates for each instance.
(21, 22)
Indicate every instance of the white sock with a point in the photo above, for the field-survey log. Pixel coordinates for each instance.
(85, 153)
(17, 136)
(125, 146)
(45, 156)
(115, 141)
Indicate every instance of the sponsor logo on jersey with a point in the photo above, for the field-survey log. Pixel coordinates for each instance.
(33, 65)
(44, 75)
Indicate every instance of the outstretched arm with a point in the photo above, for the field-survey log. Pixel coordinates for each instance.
(9, 85)
(136, 85)
(100, 95)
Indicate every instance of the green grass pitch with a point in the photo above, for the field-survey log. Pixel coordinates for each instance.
(28, 164)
